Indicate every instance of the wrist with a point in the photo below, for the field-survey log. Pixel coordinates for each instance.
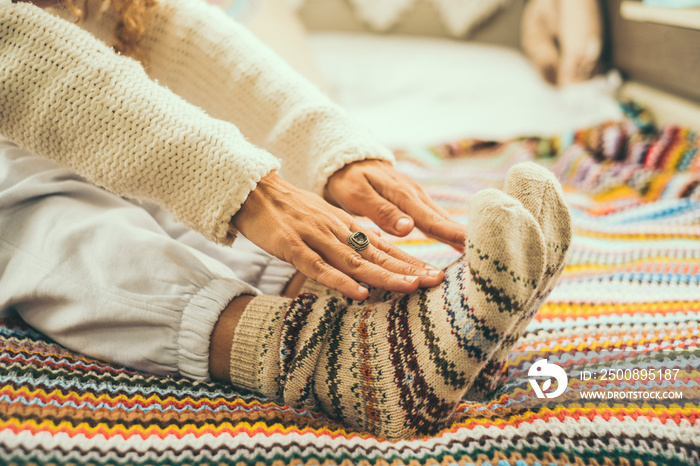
(270, 186)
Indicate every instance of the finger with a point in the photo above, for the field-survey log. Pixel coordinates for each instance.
(367, 202)
(442, 230)
(427, 277)
(406, 257)
(386, 247)
(426, 219)
(343, 258)
(391, 258)
(461, 231)
(429, 205)
(387, 215)
(431, 202)
(314, 267)
(375, 231)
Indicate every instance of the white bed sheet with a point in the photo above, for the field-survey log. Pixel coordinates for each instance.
(415, 91)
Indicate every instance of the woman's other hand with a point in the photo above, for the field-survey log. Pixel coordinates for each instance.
(304, 230)
(396, 203)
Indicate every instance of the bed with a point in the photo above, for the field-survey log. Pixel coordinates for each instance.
(628, 301)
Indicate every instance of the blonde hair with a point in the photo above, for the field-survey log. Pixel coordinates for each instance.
(131, 24)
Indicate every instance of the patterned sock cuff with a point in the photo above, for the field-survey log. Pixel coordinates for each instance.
(254, 363)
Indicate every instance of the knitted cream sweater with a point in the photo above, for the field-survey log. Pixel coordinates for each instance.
(66, 95)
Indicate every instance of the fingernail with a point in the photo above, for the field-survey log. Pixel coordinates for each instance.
(409, 278)
(402, 223)
(433, 272)
(362, 289)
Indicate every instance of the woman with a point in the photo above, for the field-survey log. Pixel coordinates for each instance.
(223, 134)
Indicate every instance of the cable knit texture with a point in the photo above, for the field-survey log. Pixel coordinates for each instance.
(66, 95)
(203, 55)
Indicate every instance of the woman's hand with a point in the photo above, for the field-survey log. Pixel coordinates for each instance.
(394, 202)
(304, 230)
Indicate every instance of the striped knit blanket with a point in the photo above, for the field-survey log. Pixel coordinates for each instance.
(622, 323)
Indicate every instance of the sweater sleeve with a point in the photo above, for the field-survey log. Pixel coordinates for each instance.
(67, 96)
(212, 61)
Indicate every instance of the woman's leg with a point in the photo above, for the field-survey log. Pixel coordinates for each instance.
(100, 276)
(222, 337)
(398, 367)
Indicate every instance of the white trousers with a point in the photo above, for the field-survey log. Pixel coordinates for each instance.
(112, 279)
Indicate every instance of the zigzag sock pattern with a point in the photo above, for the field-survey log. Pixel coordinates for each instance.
(399, 368)
(539, 191)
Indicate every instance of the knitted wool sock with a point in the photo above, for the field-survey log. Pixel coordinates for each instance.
(399, 368)
(540, 193)
(255, 353)
(276, 340)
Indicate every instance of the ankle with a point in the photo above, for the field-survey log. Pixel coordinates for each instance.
(222, 338)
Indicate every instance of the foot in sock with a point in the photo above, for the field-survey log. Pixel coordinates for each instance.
(540, 193)
(398, 368)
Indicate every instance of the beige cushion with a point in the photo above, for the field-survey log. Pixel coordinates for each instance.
(422, 19)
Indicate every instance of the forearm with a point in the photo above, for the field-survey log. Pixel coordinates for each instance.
(67, 96)
(217, 64)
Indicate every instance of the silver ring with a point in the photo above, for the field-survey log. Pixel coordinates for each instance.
(358, 241)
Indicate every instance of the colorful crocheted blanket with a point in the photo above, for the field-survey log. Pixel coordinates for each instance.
(622, 323)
